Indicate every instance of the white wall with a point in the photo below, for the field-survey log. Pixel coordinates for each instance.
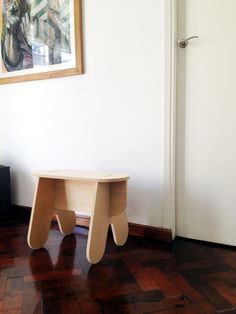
(110, 118)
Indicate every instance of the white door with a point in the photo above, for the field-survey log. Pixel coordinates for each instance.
(206, 121)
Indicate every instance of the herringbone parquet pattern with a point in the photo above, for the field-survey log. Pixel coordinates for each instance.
(141, 277)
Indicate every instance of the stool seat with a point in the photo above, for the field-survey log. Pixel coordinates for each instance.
(60, 193)
(82, 175)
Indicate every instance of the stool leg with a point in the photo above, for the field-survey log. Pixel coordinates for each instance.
(120, 229)
(66, 220)
(41, 214)
(99, 224)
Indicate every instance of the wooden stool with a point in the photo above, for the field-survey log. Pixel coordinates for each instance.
(61, 192)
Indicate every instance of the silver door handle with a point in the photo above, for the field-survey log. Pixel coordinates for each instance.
(183, 43)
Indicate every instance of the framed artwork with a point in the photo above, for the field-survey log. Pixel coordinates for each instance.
(40, 39)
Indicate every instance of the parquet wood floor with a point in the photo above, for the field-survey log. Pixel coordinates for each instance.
(142, 277)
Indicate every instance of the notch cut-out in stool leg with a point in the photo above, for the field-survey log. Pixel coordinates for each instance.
(120, 229)
(66, 220)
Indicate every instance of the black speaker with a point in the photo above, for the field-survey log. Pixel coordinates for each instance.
(5, 193)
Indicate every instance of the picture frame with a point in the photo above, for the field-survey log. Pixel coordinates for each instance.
(40, 39)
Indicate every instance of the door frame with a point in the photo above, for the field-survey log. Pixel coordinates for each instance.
(169, 112)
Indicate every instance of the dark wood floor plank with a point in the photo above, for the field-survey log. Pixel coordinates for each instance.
(11, 312)
(198, 308)
(3, 282)
(228, 293)
(184, 287)
(212, 295)
(145, 281)
(13, 294)
(169, 289)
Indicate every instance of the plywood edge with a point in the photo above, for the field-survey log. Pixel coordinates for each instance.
(91, 176)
